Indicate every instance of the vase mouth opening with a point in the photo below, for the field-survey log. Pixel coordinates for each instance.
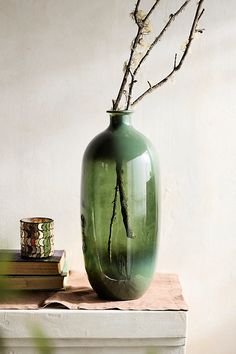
(120, 113)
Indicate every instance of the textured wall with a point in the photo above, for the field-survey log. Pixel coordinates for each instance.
(60, 66)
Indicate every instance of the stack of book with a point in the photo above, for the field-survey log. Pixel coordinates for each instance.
(17, 273)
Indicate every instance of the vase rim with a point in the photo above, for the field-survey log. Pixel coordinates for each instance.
(122, 112)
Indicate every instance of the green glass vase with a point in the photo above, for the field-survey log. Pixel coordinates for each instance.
(119, 210)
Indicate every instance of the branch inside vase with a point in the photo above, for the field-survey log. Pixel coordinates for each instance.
(123, 200)
(123, 207)
(112, 220)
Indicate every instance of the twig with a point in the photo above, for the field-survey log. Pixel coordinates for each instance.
(126, 74)
(175, 61)
(132, 82)
(124, 208)
(151, 10)
(156, 40)
(176, 67)
(136, 11)
(123, 200)
(133, 47)
(112, 220)
(202, 12)
(172, 17)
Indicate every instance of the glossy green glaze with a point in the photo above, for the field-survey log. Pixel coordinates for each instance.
(119, 210)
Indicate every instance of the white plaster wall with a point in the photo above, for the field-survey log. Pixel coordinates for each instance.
(60, 66)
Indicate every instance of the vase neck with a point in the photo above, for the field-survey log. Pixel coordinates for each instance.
(120, 118)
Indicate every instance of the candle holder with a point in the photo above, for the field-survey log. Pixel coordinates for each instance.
(37, 238)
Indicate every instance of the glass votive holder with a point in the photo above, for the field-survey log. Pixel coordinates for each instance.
(37, 238)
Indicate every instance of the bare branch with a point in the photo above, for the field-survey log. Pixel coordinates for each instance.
(131, 74)
(132, 82)
(127, 70)
(191, 34)
(123, 200)
(202, 12)
(112, 220)
(151, 10)
(136, 11)
(175, 61)
(156, 40)
(123, 206)
(135, 42)
(176, 67)
(172, 17)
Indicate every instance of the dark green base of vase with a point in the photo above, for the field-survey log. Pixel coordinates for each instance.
(119, 290)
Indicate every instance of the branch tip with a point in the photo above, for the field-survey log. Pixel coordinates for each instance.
(202, 12)
(175, 60)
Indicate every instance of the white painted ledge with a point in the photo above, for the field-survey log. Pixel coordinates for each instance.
(92, 332)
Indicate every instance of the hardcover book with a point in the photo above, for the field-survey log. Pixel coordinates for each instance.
(31, 282)
(11, 263)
